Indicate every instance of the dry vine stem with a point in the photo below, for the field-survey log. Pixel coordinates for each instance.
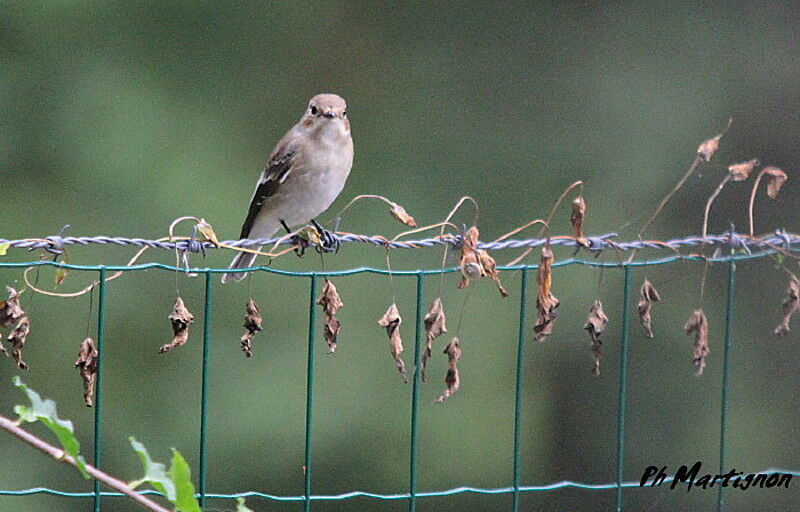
(736, 172)
(395, 210)
(705, 151)
(545, 223)
(203, 227)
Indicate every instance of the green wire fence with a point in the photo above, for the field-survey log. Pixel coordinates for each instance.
(412, 496)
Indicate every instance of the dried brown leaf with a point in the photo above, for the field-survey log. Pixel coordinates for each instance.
(776, 178)
(470, 263)
(434, 327)
(790, 306)
(576, 219)
(649, 295)
(180, 319)
(391, 320)
(10, 310)
(452, 379)
(87, 366)
(400, 213)
(698, 325)
(252, 323)
(707, 149)
(741, 171)
(17, 338)
(489, 267)
(331, 303)
(595, 325)
(546, 302)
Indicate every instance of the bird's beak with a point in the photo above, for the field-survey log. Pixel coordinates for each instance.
(329, 115)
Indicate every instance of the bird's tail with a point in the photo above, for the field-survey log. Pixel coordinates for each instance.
(242, 260)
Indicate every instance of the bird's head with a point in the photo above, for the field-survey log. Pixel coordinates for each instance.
(327, 113)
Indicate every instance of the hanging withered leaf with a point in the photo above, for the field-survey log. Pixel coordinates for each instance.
(698, 325)
(741, 171)
(17, 338)
(10, 310)
(775, 180)
(707, 149)
(576, 219)
(595, 325)
(252, 323)
(391, 320)
(400, 213)
(331, 303)
(452, 379)
(434, 327)
(87, 366)
(649, 295)
(476, 263)
(180, 319)
(546, 302)
(790, 306)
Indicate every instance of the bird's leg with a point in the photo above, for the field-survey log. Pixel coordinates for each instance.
(329, 241)
(297, 240)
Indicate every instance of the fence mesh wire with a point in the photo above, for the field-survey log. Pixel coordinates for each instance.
(731, 248)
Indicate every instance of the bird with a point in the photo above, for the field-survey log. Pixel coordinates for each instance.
(305, 173)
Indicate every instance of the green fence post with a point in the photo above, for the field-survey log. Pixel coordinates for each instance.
(726, 374)
(204, 388)
(312, 334)
(98, 398)
(518, 389)
(412, 476)
(623, 385)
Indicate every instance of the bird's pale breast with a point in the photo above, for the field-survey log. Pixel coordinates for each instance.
(316, 179)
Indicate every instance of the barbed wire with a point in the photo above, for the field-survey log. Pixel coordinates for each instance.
(777, 239)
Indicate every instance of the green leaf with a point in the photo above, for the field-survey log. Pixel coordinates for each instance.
(207, 231)
(241, 507)
(44, 411)
(61, 274)
(181, 476)
(4, 248)
(155, 473)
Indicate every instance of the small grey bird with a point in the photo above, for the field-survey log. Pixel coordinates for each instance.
(305, 173)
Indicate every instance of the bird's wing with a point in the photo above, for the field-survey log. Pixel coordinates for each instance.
(275, 173)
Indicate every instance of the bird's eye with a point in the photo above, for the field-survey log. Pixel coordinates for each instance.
(314, 110)
(344, 113)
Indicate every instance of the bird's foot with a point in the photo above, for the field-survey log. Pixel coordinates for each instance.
(328, 240)
(300, 241)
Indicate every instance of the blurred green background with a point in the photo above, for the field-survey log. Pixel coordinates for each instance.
(118, 117)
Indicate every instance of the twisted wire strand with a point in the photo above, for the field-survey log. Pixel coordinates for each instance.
(778, 238)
